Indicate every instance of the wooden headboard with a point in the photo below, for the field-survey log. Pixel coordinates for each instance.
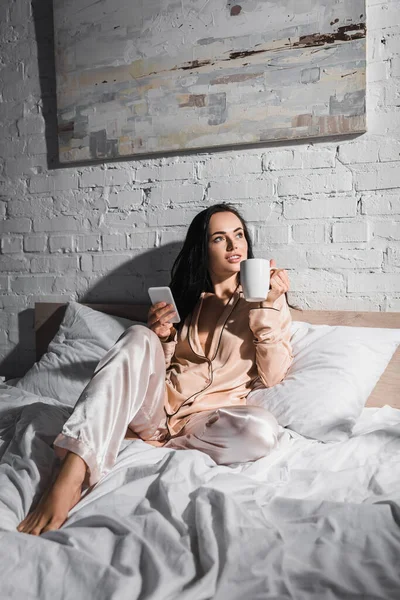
(48, 317)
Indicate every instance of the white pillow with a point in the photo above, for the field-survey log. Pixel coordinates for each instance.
(334, 371)
(84, 337)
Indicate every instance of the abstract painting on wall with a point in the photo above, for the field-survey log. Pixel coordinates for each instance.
(165, 75)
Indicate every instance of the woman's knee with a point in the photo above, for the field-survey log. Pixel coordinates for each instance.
(230, 434)
(136, 342)
(136, 329)
(138, 332)
(246, 416)
(254, 424)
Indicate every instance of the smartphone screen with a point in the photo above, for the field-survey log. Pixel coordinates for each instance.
(164, 294)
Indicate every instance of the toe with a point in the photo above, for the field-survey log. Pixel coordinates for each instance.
(21, 525)
(26, 523)
(38, 527)
(34, 521)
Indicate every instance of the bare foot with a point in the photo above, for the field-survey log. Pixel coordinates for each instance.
(54, 506)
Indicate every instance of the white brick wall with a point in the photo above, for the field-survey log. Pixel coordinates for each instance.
(328, 211)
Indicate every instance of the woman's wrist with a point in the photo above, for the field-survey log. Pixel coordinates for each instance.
(169, 337)
(267, 304)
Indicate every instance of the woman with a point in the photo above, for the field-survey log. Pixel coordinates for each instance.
(185, 387)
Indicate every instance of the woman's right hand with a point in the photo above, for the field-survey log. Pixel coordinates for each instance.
(157, 319)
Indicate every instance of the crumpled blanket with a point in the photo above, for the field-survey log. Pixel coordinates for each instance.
(309, 521)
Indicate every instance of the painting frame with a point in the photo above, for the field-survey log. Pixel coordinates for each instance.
(164, 77)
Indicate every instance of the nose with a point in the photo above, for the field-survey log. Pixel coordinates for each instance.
(231, 244)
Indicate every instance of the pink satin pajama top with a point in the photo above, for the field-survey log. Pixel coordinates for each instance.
(250, 348)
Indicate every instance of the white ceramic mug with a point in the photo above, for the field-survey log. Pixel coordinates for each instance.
(254, 277)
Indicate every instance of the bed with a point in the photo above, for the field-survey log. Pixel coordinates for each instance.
(319, 517)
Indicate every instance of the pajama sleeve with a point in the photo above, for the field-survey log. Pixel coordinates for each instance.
(169, 348)
(271, 331)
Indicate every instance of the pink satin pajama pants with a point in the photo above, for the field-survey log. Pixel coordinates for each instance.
(128, 390)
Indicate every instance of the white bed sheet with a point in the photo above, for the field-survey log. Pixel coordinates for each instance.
(309, 521)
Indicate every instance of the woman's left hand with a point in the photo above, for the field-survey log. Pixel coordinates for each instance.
(279, 283)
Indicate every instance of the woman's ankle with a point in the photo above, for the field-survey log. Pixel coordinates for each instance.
(73, 469)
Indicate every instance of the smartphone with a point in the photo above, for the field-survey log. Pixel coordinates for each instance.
(164, 294)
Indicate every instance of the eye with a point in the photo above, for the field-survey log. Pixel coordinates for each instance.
(240, 234)
(217, 238)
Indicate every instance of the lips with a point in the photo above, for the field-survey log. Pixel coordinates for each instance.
(234, 258)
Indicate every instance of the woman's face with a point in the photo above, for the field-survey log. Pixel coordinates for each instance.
(227, 245)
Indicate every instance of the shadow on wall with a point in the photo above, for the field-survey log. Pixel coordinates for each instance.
(128, 282)
(125, 284)
(22, 355)
(42, 12)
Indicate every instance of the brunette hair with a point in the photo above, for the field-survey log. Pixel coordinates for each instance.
(189, 273)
